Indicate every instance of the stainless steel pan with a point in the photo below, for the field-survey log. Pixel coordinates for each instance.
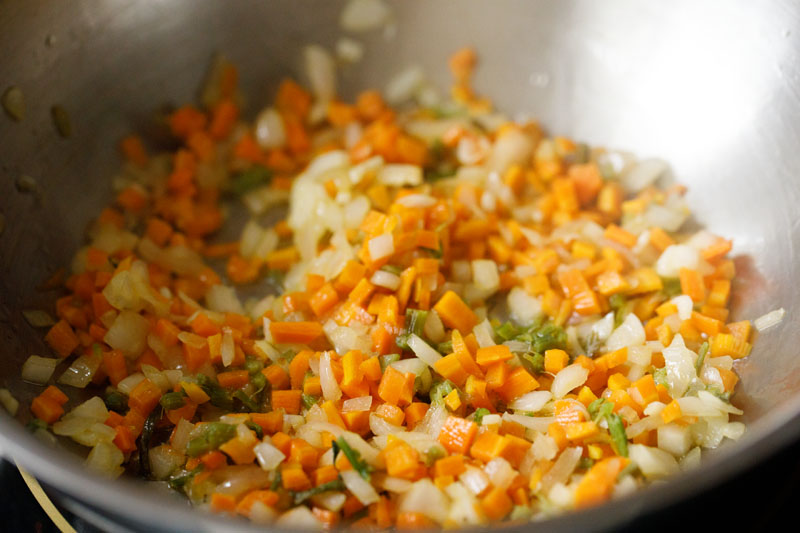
(710, 86)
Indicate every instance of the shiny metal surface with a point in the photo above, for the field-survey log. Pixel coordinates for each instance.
(710, 86)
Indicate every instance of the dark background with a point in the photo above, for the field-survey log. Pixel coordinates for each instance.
(762, 499)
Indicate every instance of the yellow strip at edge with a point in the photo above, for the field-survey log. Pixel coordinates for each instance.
(44, 500)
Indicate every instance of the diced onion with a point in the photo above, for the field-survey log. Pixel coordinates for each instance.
(423, 350)
(299, 518)
(364, 15)
(128, 334)
(330, 388)
(381, 246)
(8, 401)
(362, 403)
(676, 257)
(38, 369)
(321, 71)
(652, 462)
(642, 174)
(400, 175)
(361, 488)
(561, 469)
(770, 319)
(381, 278)
(536, 423)
(483, 334)
(227, 347)
(531, 402)
(500, 472)
(525, 309)
(223, 299)
(105, 459)
(674, 439)
(718, 404)
(568, 379)
(129, 383)
(416, 200)
(38, 318)
(629, 333)
(268, 456)
(164, 460)
(424, 497)
(380, 426)
(349, 50)
(81, 371)
(269, 129)
(404, 84)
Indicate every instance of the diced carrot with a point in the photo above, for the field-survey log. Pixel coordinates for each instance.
(393, 387)
(414, 413)
(298, 368)
(277, 377)
(452, 465)
(222, 503)
(293, 478)
(496, 504)
(496, 375)
(401, 459)
(115, 366)
(295, 332)
(596, 486)
(204, 326)
(555, 360)
(519, 382)
(692, 284)
(46, 409)
(62, 339)
(288, 400)
(671, 412)
(233, 379)
(270, 423)
(144, 397)
(455, 313)
(727, 344)
(493, 354)
(324, 299)
(457, 434)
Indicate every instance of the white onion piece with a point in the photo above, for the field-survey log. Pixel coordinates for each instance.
(674, 439)
(164, 460)
(321, 71)
(392, 484)
(770, 319)
(531, 402)
(129, 383)
(364, 15)
(128, 334)
(524, 307)
(676, 257)
(485, 275)
(653, 462)
(381, 246)
(536, 423)
(568, 379)
(385, 279)
(81, 371)
(426, 498)
(400, 175)
(362, 403)
(718, 404)
(105, 459)
(268, 456)
(227, 347)
(642, 174)
(679, 362)
(694, 406)
(349, 50)
(483, 334)
(299, 518)
(8, 401)
(38, 318)
(434, 328)
(379, 426)
(561, 469)
(330, 388)
(416, 200)
(223, 299)
(645, 424)
(404, 84)
(330, 500)
(269, 129)
(422, 350)
(500, 472)
(38, 369)
(629, 333)
(685, 306)
(361, 488)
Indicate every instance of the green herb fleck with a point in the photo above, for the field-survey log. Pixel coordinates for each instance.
(392, 269)
(309, 401)
(250, 179)
(480, 412)
(253, 365)
(440, 390)
(445, 347)
(388, 359)
(354, 457)
(249, 405)
(214, 435)
(507, 331)
(180, 481)
(116, 401)
(533, 362)
(258, 430)
(617, 430)
(219, 397)
(701, 355)
(671, 287)
(173, 400)
(303, 495)
(585, 463)
(36, 424)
